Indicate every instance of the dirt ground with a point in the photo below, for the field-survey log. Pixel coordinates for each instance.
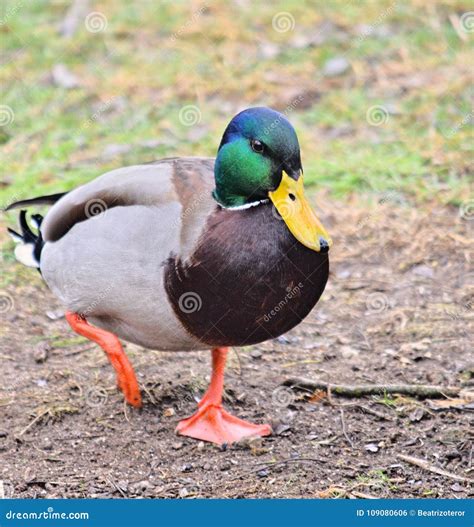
(397, 309)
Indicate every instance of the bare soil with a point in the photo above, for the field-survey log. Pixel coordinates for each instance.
(397, 309)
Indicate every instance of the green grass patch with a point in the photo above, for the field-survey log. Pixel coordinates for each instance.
(151, 59)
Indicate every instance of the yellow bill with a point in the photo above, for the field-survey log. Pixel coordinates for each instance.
(296, 212)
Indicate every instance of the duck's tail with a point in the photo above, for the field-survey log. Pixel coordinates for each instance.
(30, 243)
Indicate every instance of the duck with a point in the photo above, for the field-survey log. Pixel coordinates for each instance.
(186, 254)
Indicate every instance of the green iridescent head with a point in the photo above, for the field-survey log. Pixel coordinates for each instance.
(257, 145)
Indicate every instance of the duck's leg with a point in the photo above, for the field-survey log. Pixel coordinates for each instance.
(211, 422)
(111, 345)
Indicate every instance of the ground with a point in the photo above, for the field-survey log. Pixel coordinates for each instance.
(380, 94)
(396, 310)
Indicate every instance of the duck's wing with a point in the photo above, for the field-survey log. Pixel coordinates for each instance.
(186, 182)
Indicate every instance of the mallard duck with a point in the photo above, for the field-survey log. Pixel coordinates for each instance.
(187, 253)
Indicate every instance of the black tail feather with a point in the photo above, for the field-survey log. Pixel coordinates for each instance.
(28, 237)
(27, 234)
(30, 244)
(41, 200)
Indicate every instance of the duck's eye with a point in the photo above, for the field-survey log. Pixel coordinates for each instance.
(257, 146)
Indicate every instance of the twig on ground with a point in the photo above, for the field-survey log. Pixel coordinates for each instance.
(265, 464)
(125, 410)
(344, 429)
(112, 483)
(80, 350)
(363, 495)
(431, 468)
(35, 420)
(236, 353)
(373, 412)
(359, 390)
(359, 406)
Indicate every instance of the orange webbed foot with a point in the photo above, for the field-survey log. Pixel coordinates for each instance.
(214, 424)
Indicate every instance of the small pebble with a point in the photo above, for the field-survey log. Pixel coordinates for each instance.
(47, 445)
(336, 66)
(63, 77)
(281, 428)
(256, 354)
(143, 485)
(372, 447)
(423, 270)
(40, 354)
(349, 352)
(417, 414)
(123, 485)
(55, 315)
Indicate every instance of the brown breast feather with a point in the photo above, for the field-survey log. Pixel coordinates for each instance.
(248, 279)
